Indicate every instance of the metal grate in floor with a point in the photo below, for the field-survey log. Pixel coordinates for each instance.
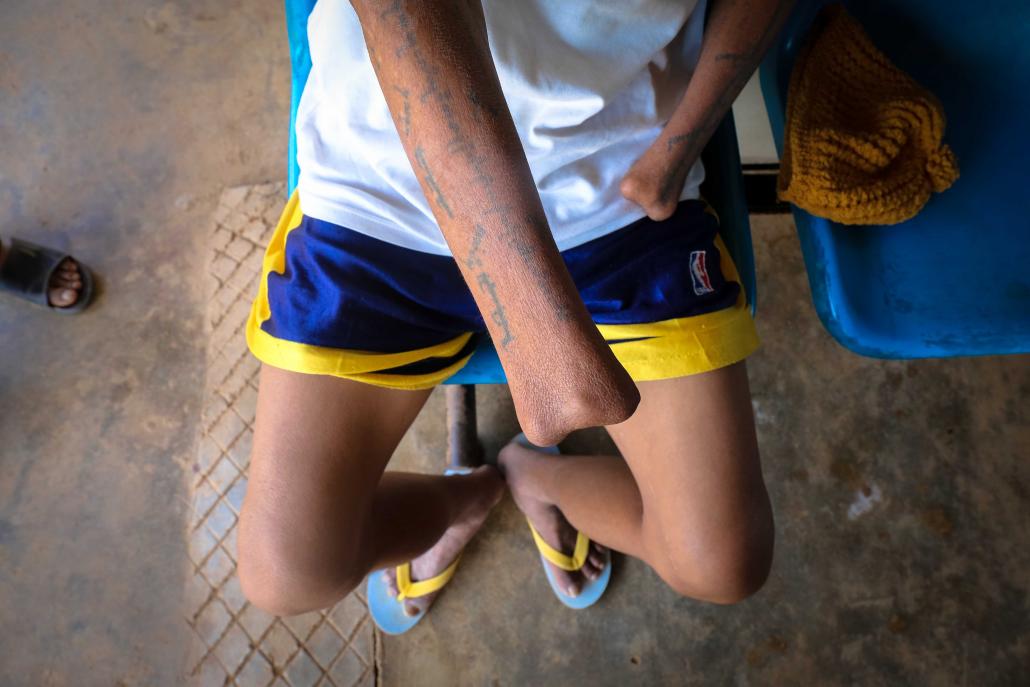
(234, 643)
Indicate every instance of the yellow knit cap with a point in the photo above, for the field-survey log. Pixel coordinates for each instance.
(863, 140)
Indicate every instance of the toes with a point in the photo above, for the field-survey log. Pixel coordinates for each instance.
(595, 563)
(411, 606)
(62, 298)
(63, 282)
(572, 584)
(68, 267)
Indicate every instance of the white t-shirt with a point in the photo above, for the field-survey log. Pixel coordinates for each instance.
(589, 83)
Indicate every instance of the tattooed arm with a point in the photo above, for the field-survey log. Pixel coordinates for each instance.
(434, 65)
(736, 37)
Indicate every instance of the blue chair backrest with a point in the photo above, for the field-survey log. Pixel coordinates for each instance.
(297, 12)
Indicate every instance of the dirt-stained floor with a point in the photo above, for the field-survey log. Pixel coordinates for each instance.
(900, 488)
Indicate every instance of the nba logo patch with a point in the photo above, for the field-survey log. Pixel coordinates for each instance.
(699, 273)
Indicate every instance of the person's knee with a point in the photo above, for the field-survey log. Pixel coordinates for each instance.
(722, 567)
(281, 574)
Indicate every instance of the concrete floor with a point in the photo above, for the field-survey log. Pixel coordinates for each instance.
(900, 493)
(900, 488)
(120, 123)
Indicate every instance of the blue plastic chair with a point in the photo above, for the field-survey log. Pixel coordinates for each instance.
(955, 279)
(723, 188)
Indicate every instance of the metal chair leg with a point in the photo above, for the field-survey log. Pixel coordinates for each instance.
(463, 449)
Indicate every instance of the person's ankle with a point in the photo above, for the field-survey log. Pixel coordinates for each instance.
(478, 491)
(535, 471)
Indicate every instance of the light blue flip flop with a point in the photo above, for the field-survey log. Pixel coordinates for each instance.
(592, 589)
(386, 609)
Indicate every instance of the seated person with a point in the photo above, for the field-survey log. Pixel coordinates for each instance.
(530, 171)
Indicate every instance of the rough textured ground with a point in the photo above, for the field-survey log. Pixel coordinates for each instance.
(901, 499)
(232, 641)
(120, 124)
(900, 488)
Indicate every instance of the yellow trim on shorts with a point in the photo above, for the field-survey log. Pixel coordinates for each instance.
(651, 350)
(683, 346)
(362, 366)
(687, 345)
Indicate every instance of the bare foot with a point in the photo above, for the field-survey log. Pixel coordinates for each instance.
(65, 284)
(442, 554)
(522, 468)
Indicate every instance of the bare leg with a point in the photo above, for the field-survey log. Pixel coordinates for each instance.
(320, 513)
(689, 498)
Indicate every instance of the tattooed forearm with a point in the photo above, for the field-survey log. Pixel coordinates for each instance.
(752, 54)
(420, 156)
(498, 315)
(458, 153)
(474, 260)
(676, 141)
(482, 107)
(435, 90)
(732, 57)
(464, 148)
(734, 68)
(404, 116)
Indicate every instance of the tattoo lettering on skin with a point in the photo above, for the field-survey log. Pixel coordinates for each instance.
(482, 107)
(420, 157)
(563, 311)
(459, 146)
(751, 56)
(687, 138)
(373, 57)
(499, 209)
(526, 251)
(404, 22)
(731, 57)
(675, 174)
(461, 109)
(458, 143)
(405, 115)
(744, 65)
(498, 315)
(473, 260)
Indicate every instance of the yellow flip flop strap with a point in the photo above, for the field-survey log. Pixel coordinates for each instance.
(570, 563)
(413, 590)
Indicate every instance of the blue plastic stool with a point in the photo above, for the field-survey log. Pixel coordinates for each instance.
(955, 279)
(723, 188)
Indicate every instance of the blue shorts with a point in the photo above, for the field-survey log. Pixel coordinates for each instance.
(665, 295)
